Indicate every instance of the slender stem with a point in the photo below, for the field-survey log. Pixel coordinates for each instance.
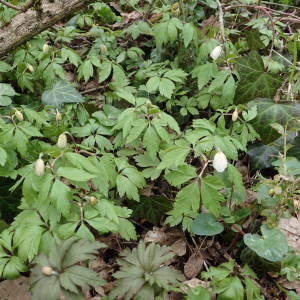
(221, 21)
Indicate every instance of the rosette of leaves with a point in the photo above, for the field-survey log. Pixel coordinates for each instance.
(59, 274)
(143, 273)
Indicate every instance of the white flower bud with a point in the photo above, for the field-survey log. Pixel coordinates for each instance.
(235, 115)
(220, 162)
(216, 52)
(39, 167)
(58, 116)
(48, 271)
(62, 141)
(46, 47)
(19, 115)
(30, 68)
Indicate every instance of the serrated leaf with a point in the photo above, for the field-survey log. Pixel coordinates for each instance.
(271, 245)
(3, 157)
(173, 157)
(105, 71)
(153, 84)
(210, 195)
(86, 70)
(206, 224)
(166, 87)
(74, 174)
(180, 175)
(60, 94)
(187, 33)
(61, 196)
(126, 229)
(269, 112)
(255, 82)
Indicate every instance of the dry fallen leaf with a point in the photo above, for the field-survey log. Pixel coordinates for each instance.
(194, 265)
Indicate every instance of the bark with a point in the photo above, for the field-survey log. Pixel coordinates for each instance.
(31, 22)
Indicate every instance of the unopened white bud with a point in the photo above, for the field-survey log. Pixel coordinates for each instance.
(30, 68)
(235, 115)
(48, 270)
(19, 115)
(216, 52)
(220, 162)
(58, 116)
(46, 47)
(39, 167)
(62, 141)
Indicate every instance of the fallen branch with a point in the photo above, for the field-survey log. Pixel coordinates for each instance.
(27, 24)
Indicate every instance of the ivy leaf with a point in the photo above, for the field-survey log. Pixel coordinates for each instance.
(206, 224)
(262, 155)
(255, 82)
(271, 245)
(269, 112)
(61, 93)
(6, 92)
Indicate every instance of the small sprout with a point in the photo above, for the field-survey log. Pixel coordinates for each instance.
(58, 116)
(19, 115)
(216, 52)
(30, 68)
(220, 162)
(39, 166)
(48, 271)
(46, 47)
(62, 141)
(235, 115)
(93, 200)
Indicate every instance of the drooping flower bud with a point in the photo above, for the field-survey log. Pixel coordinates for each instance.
(220, 162)
(46, 47)
(103, 49)
(39, 166)
(48, 270)
(62, 141)
(19, 115)
(58, 116)
(93, 200)
(30, 68)
(235, 115)
(216, 52)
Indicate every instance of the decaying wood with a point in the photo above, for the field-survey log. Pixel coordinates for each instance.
(27, 24)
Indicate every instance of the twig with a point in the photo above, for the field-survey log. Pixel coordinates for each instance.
(11, 5)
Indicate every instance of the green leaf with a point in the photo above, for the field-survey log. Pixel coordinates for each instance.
(105, 71)
(230, 288)
(176, 75)
(173, 157)
(188, 32)
(269, 112)
(74, 174)
(187, 201)
(210, 195)
(271, 245)
(204, 73)
(61, 196)
(153, 84)
(12, 267)
(255, 82)
(126, 229)
(180, 175)
(206, 224)
(6, 92)
(60, 94)
(166, 87)
(3, 157)
(86, 70)
(198, 293)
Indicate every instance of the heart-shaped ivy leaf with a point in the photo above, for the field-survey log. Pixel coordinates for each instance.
(206, 224)
(270, 112)
(255, 82)
(61, 93)
(272, 245)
